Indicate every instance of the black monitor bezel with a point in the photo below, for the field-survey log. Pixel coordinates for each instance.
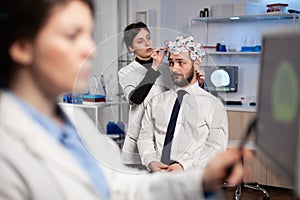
(290, 180)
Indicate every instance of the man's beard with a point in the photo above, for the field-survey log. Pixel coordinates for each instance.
(179, 79)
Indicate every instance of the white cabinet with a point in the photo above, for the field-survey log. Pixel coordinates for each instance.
(117, 111)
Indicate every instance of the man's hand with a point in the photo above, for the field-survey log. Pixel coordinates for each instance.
(158, 56)
(155, 166)
(175, 167)
(201, 76)
(225, 167)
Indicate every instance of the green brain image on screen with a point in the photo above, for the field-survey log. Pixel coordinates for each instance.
(285, 93)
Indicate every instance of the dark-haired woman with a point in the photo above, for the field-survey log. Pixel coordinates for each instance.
(142, 79)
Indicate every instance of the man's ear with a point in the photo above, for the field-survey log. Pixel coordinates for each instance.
(197, 65)
(21, 52)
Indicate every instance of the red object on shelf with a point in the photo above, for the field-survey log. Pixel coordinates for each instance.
(209, 48)
(277, 7)
(277, 4)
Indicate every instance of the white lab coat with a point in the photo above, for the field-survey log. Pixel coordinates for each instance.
(34, 166)
(129, 78)
(201, 129)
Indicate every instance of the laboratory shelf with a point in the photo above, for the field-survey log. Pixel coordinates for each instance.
(243, 18)
(233, 53)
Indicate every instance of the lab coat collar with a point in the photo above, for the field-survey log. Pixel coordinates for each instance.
(193, 89)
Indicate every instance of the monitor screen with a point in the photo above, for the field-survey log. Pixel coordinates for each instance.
(277, 132)
(221, 78)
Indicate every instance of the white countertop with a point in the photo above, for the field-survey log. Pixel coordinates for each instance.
(105, 104)
(94, 104)
(242, 108)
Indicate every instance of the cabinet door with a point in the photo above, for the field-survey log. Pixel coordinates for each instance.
(257, 169)
(273, 180)
(238, 123)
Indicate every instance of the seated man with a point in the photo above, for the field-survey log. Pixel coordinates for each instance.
(199, 130)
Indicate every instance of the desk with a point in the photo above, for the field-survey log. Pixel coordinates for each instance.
(95, 107)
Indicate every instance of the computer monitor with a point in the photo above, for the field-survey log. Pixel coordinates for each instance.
(278, 112)
(221, 78)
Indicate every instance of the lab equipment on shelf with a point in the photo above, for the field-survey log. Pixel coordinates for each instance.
(72, 98)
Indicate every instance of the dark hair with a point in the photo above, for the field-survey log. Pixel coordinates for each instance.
(131, 31)
(22, 19)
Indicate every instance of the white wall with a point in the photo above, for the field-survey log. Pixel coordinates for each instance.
(107, 38)
(106, 26)
(142, 5)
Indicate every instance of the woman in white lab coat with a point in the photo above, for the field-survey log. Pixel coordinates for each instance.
(46, 51)
(142, 79)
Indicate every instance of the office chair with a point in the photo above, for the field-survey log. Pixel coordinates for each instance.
(254, 185)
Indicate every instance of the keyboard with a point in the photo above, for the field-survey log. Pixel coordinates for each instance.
(238, 103)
